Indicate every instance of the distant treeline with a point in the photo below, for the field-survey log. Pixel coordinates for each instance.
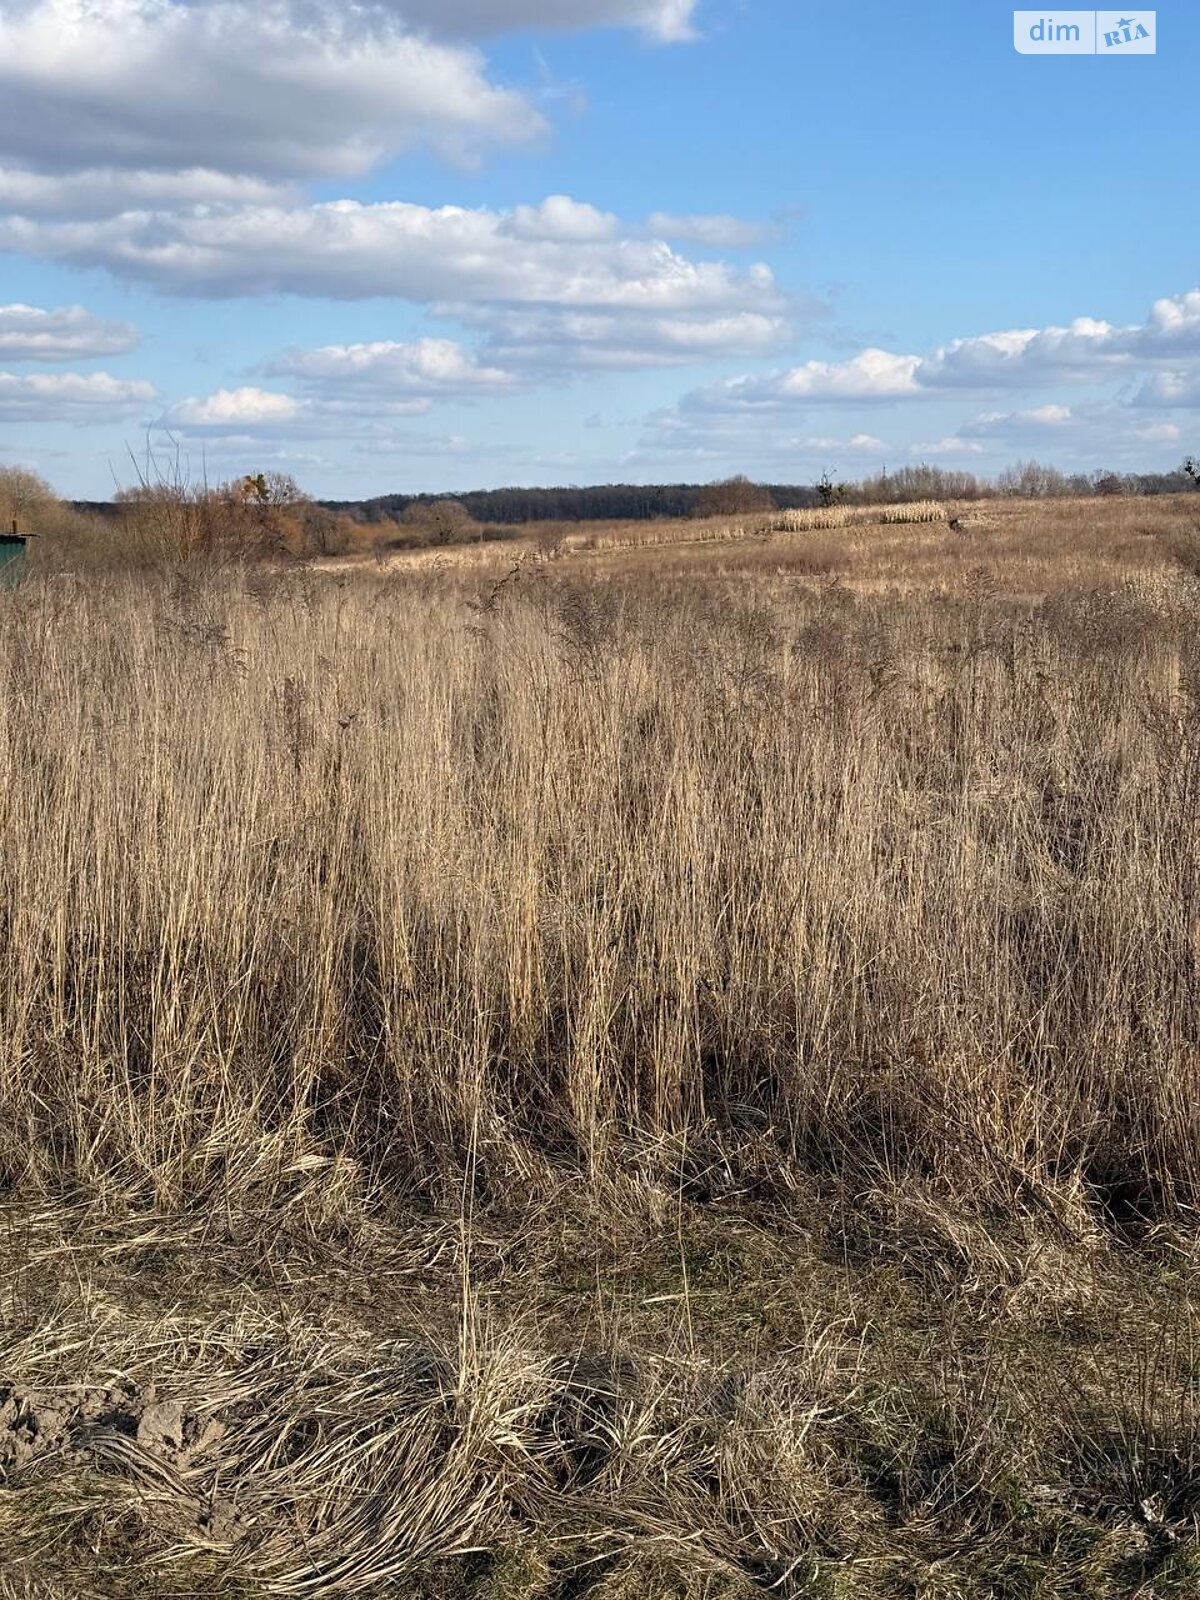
(633, 502)
(639, 502)
(603, 502)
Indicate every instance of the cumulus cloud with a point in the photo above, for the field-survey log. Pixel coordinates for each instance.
(391, 378)
(1020, 356)
(71, 396)
(1004, 424)
(989, 361)
(1087, 351)
(174, 143)
(870, 375)
(1181, 388)
(70, 333)
(561, 220)
(328, 410)
(1148, 366)
(218, 102)
(1171, 329)
(356, 390)
(105, 191)
(857, 443)
(350, 249)
(427, 367)
(276, 89)
(232, 409)
(214, 116)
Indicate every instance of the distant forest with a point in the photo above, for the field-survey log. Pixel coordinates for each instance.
(634, 502)
(604, 502)
(638, 502)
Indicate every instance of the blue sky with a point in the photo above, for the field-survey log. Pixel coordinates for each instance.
(450, 243)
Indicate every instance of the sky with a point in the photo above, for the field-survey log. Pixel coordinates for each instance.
(443, 244)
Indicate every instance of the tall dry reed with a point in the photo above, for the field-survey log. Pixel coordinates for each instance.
(359, 877)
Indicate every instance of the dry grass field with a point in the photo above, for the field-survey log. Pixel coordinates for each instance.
(659, 1069)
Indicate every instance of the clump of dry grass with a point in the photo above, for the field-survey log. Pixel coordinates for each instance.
(914, 511)
(286, 884)
(804, 520)
(801, 519)
(465, 901)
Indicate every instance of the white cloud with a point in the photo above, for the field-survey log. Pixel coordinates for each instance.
(1173, 389)
(105, 191)
(1172, 328)
(231, 409)
(277, 88)
(70, 333)
(426, 367)
(71, 396)
(328, 411)
(353, 391)
(1168, 389)
(989, 361)
(1087, 351)
(553, 287)
(1077, 437)
(870, 375)
(865, 443)
(1006, 424)
(450, 256)
(213, 115)
(1021, 356)
(561, 220)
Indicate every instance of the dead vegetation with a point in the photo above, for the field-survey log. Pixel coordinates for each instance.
(662, 1073)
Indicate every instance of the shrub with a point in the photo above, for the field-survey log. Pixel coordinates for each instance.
(441, 521)
(732, 497)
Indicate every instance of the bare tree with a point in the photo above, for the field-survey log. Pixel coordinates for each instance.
(732, 497)
(442, 521)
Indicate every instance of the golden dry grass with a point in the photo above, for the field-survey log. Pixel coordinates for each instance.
(665, 1070)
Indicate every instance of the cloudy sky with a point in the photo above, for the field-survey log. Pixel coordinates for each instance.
(451, 243)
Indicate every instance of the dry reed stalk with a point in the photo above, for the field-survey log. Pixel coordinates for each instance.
(325, 901)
